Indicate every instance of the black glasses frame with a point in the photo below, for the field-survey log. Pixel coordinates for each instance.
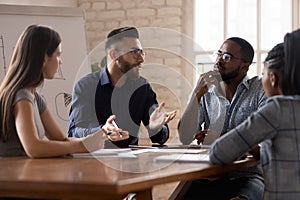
(135, 52)
(226, 56)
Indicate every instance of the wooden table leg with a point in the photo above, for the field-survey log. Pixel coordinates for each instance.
(180, 190)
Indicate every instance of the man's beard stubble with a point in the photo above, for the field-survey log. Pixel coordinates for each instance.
(231, 75)
(129, 70)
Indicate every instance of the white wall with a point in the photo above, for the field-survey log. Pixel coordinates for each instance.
(70, 24)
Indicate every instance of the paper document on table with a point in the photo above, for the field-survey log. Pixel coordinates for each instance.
(190, 146)
(184, 158)
(187, 151)
(171, 147)
(106, 152)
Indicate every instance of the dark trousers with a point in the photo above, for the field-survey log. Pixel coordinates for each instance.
(224, 189)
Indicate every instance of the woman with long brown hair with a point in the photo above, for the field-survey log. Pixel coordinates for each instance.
(24, 116)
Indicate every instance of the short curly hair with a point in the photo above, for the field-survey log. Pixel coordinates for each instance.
(246, 48)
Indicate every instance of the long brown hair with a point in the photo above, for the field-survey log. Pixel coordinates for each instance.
(25, 70)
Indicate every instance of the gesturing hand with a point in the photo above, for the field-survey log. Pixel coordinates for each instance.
(114, 133)
(159, 117)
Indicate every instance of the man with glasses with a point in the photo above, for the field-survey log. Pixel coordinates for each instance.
(221, 100)
(119, 90)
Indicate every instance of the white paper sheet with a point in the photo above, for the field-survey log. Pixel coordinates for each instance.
(184, 158)
(126, 152)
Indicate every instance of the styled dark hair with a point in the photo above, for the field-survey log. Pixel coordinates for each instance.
(246, 48)
(275, 57)
(25, 70)
(291, 78)
(117, 35)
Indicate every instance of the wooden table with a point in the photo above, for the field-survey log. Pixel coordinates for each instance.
(89, 178)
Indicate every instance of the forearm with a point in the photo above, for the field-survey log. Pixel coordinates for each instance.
(79, 132)
(82, 118)
(159, 136)
(228, 148)
(51, 148)
(188, 124)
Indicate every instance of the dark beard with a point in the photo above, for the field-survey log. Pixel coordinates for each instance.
(127, 69)
(231, 75)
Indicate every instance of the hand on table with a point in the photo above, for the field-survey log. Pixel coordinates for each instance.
(200, 136)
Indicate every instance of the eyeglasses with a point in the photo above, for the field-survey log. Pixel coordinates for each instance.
(136, 52)
(226, 56)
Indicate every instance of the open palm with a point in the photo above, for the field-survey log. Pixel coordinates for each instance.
(159, 117)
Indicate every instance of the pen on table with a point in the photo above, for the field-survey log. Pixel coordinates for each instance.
(116, 126)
